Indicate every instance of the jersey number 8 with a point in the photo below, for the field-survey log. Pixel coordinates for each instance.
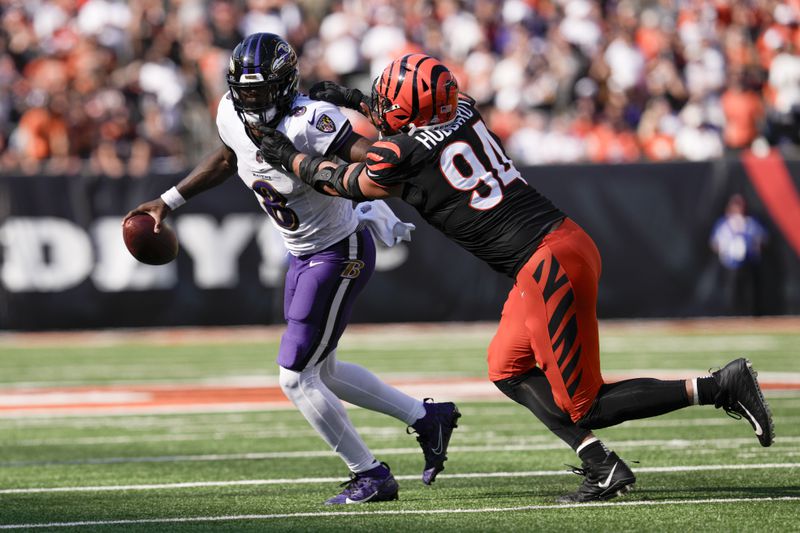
(275, 205)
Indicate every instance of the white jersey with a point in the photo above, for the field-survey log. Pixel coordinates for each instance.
(309, 221)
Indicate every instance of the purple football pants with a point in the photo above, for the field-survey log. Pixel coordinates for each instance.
(321, 289)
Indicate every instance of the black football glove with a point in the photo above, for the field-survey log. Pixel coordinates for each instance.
(276, 148)
(334, 93)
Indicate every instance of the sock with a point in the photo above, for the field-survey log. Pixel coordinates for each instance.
(593, 451)
(706, 390)
(376, 470)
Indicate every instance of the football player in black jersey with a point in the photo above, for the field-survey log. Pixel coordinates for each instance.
(437, 154)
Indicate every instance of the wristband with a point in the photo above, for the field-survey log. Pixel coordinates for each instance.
(173, 198)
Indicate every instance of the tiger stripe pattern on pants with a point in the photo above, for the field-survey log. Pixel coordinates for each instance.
(549, 320)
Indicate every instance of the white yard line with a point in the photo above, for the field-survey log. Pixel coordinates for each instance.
(661, 444)
(311, 480)
(195, 433)
(583, 506)
(788, 399)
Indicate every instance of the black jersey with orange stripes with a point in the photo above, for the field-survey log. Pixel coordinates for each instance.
(460, 180)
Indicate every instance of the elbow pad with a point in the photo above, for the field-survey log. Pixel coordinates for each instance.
(353, 187)
(309, 167)
(335, 178)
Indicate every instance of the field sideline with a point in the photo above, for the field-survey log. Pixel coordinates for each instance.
(186, 430)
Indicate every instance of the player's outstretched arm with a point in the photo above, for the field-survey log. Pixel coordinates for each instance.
(348, 181)
(354, 149)
(215, 168)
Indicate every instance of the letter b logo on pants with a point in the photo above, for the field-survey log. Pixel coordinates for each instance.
(353, 269)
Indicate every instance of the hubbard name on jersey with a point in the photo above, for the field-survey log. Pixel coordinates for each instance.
(308, 221)
(460, 180)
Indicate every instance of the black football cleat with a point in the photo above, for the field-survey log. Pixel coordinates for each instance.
(433, 434)
(602, 481)
(741, 397)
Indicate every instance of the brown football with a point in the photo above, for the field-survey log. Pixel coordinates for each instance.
(146, 246)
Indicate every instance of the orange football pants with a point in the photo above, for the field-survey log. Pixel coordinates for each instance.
(550, 320)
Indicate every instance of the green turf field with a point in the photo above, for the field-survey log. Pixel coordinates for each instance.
(265, 470)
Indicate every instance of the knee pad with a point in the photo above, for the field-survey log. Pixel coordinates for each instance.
(289, 380)
(292, 381)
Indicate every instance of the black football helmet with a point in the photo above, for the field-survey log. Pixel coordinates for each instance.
(262, 77)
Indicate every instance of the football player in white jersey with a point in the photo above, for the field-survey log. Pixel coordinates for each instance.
(332, 256)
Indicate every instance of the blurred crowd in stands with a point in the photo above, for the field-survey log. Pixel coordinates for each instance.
(115, 87)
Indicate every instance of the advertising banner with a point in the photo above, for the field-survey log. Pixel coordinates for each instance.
(63, 264)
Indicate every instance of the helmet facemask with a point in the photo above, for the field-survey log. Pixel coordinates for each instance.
(260, 103)
(379, 106)
(262, 78)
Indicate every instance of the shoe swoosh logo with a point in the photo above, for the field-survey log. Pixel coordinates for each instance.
(438, 449)
(757, 426)
(363, 500)
(315, 263)
(607, 482)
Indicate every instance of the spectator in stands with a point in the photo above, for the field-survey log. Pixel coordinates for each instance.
(383, 40)
(743, 110)
(735, 60)
(41, 137)
(664, 81)
(610, 142)
(657, 129)
(625, 62)
(784, 85)
(697, 139)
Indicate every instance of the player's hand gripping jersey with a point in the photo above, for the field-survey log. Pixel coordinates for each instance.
(307, 220)
(460, 180)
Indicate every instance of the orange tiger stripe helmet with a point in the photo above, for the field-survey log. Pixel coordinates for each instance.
(414, 89)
